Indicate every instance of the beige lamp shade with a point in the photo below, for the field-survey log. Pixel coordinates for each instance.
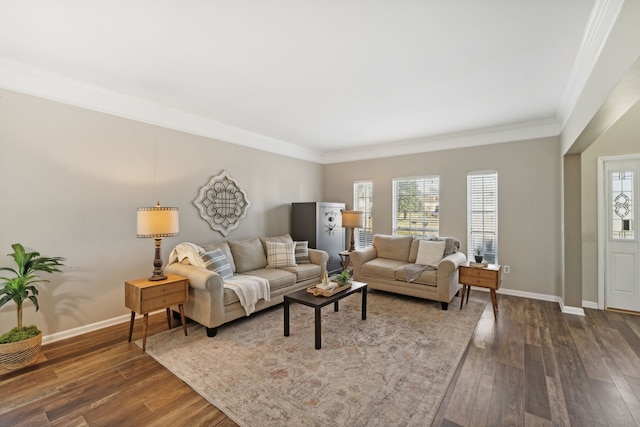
(352, 219)
(157, 222)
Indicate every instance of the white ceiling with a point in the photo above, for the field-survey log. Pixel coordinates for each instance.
(315, 79)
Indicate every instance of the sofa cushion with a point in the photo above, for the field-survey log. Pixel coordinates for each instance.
(278, 278)
(224, 247)
(248, 254)
(217, 261)
(305, 271)
(280, 254)
(427, 277)
(392, 247)
(285, 238)
(382, 268)
(430, 253)
(452, 245)
(302, 253)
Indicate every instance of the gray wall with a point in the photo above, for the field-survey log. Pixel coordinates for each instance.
(71, 180)
(529, 176)
(620, 139)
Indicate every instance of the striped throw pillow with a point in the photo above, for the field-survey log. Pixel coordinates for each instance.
(216, 261)
(302, 253)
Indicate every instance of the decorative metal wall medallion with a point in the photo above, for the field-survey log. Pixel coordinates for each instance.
(222, 203)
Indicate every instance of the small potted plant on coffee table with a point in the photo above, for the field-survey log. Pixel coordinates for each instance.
(343, 278)
(20, 346)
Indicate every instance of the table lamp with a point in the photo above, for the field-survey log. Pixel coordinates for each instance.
(157, 222)
(352, 219)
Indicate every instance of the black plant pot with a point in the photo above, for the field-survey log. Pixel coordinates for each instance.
(478, 258)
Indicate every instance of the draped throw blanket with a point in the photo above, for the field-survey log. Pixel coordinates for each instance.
(413, 271)
(190, 251)
(250, 289)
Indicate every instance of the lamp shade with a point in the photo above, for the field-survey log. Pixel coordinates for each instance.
(352, 219)
(158, 222)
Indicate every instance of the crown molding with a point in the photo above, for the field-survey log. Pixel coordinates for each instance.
(601, 21)
(494, 135)
(44, 84)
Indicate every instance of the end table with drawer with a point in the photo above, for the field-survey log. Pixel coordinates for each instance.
(144, 296)
(485, 277)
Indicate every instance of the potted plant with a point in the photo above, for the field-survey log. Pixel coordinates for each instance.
(343, 278)
(20, 346)
(478, 255)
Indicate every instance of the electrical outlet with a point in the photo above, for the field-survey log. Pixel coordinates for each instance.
(506, 269)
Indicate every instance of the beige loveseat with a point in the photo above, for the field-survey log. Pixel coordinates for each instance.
(392, 259)
(212, 304)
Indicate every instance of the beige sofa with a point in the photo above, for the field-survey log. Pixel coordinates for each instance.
(383, 266)
(212, 304)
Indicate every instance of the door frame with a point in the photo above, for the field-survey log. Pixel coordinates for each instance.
(602, 226)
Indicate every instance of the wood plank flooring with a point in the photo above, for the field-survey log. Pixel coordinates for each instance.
(534, 366)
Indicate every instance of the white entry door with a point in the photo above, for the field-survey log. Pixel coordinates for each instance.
(622, 266)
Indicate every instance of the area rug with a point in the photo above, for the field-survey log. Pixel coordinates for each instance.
(391, 369)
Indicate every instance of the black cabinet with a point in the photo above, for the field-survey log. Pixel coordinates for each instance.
(320, 223)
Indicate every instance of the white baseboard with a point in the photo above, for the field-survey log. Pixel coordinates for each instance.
(542, 297)
(590, 304)
(48, 339)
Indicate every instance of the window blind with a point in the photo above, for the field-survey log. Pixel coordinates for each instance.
(363, 201)
(416, 206)
(482, 215)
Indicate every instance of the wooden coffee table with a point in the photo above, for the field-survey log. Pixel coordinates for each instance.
(305, 298)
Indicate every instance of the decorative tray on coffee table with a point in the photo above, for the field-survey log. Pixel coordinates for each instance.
(316, 291)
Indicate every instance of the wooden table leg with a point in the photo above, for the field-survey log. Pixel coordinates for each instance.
(494, 302)
(464, 289)
(468, 292)
(169, 317)
(145, 327)
(286, 318)
(335, 306)
(184, 324)
(133, 318)
(317, 327)
(364, 303)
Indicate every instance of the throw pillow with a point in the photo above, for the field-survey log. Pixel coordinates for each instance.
(248, 254)
(430, 253)
(216, 261)
(280, 254)
(302, 253)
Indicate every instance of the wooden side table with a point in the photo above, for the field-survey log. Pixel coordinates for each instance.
(144, 296)
(488, 277)
(345, 259)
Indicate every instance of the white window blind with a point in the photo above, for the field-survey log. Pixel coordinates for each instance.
(363, 201)
(416, 206)
(482, 215)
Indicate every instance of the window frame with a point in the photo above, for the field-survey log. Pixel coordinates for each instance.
(482, 210)
(430, 211)
(363, 236)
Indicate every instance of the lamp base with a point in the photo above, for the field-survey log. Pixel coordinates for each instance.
(157, 264)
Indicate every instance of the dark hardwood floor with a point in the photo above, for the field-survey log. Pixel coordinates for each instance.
(533, 367)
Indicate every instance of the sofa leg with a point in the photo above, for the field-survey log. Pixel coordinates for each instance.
(444, 305)
(458, 293)
(211, 332)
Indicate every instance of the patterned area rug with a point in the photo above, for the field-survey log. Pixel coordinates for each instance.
(391, 369)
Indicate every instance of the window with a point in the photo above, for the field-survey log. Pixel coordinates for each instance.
(416, 206)
(363, 201)
(482, 215)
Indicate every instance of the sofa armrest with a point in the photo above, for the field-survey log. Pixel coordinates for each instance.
(319, 257)
(359, 257)
(199, 278)
(448, 265)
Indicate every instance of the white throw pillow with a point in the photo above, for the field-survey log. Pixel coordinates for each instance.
(430, 253)
(280, 254)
